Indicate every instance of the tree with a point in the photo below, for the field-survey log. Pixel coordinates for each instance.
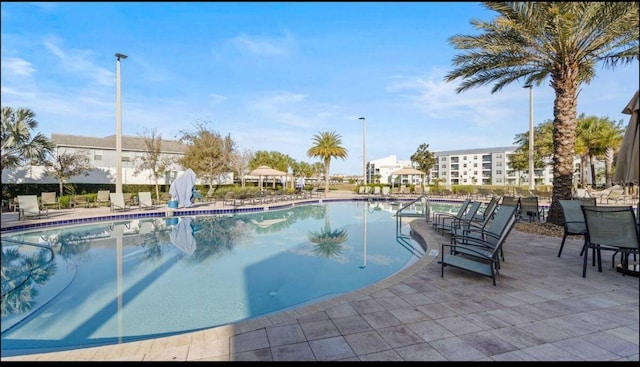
(208, 153)
(65, 165)
(599, 137)
(18, 145)
(240, 164)
(153, 160)
(542, 154)
(327, 145)
(562, 41)
(423, 158)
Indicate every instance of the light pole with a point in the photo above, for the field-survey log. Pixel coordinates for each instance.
(532, 180)
(118, 126)
(364, 150)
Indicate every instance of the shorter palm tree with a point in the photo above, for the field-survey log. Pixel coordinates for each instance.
(327, 145)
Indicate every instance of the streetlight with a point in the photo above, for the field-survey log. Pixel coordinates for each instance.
(364, 150)
(118, 126)
(532, 180)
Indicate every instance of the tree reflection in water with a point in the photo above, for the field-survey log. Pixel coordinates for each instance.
(22, 273)
(328, 242)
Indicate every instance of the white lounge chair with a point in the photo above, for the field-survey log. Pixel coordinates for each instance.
(28, 206)
(49, 199)
(117, 201)
(145, 201)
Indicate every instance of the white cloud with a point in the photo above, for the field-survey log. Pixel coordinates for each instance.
(80, 62)
(263, 46)
(17, 66)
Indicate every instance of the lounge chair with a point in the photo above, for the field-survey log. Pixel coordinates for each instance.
(80, 200)
(28, 206)
(210, 195)
(481, 255)
(49, 199)
(601, 195)
(145, 201)
(512, 201)
(465, 220)
(103, 197)
(617, 195)
(438, 217)
(488, 210)
(376, 191)
(229, 198)
(117, 201)
(611, 228)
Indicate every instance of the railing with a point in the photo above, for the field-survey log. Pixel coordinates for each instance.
(403, 239)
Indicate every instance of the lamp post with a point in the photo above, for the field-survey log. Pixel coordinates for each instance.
(364, 150)
(118, 126)
(532, 180)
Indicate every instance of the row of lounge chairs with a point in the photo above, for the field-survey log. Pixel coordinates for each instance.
(257, 197)
(477, 236)
(29, 206)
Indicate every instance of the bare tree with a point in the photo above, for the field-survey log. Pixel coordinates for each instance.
(153, 160)
(65, 165)
(240, 164)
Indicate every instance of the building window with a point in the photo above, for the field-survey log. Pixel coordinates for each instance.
(498, 155)
(475, 157)
(499, 172)
(443, 166)
(97, 155)
(464, 158)
(498, 164)
(464, 165)
(475, 165)
(443, 159)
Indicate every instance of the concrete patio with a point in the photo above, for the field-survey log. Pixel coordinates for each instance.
(542, 309)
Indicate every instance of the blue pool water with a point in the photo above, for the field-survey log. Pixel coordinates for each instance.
(113, 282)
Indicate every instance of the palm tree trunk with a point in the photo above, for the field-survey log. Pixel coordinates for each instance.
(608, 163)
(592, 165)
(564, 140)
(583, 171)
(327, 162)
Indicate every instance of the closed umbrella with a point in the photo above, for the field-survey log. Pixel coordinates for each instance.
(266, 171)
(628, 156)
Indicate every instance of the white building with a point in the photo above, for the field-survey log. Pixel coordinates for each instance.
(484, 166)
(379, 171)
(102, 156)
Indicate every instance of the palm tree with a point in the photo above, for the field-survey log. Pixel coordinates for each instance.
(326, 146)
(562, 41)
(18, 146)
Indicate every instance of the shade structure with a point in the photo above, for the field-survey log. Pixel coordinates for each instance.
(409, 171)
(628, 156)
(263, 171)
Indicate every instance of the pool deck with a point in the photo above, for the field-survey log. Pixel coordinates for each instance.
(542, 309)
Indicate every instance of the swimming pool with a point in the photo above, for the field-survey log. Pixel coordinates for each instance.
(113, 282)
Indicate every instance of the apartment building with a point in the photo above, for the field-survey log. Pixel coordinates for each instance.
(484, 166)
(102, 156)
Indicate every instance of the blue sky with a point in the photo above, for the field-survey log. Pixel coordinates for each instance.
(272, 75)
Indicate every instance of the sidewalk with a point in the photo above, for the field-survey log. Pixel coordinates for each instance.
(542, 309)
